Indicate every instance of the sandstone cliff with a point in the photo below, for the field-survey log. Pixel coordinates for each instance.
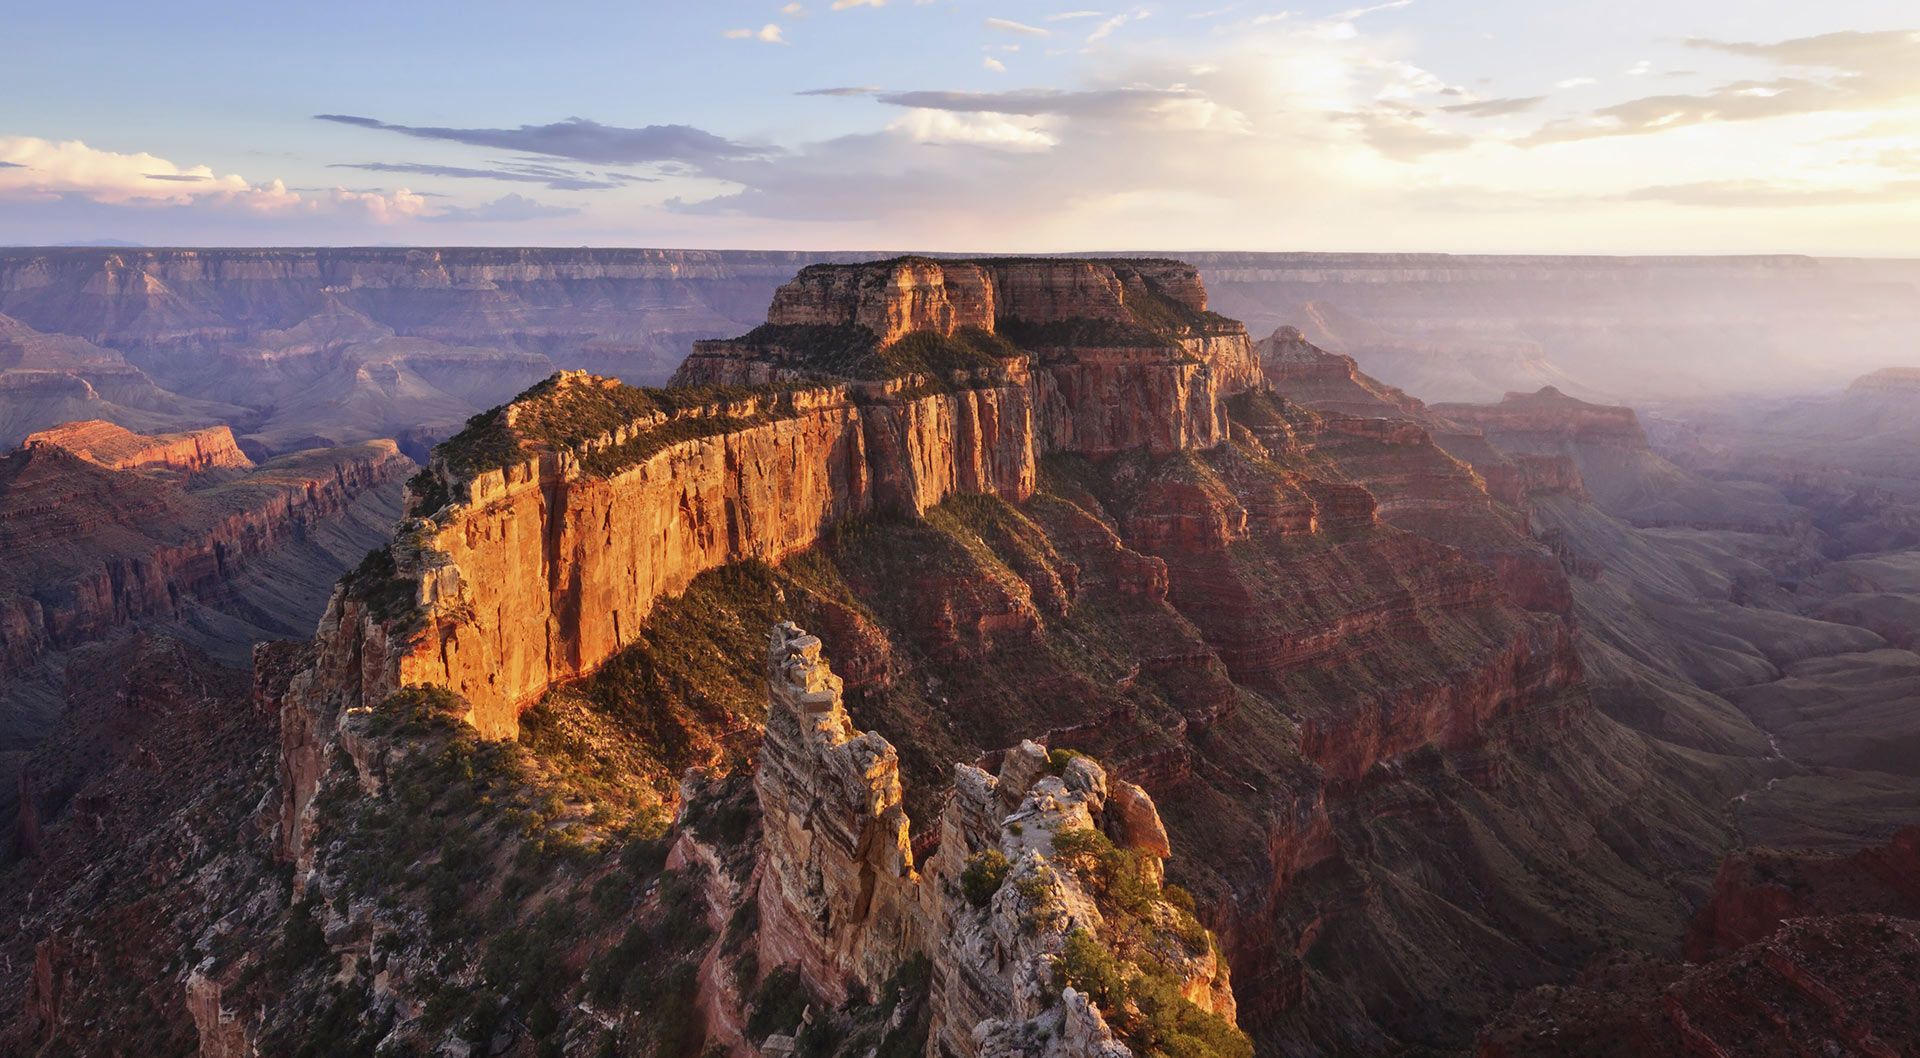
(117, 448)
(552, 526)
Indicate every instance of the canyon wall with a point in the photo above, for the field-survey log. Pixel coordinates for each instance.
(539, 569)
(97, 549)
(546, 568)
(117, 448)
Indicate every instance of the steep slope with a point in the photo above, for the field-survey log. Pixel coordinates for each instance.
(180, 534)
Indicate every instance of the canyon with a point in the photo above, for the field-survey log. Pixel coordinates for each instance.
(1188, 695)
(296, 347)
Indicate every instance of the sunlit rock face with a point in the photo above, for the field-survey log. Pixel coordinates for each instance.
(546, 557)
(1117, 354)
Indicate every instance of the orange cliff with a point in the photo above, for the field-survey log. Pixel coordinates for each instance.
(118, 448)
(537, 569)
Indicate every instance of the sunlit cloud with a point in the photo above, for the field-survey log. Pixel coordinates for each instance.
(43, 169)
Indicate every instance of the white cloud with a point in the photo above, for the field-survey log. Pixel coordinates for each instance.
(769, 33)
(1007, 25)
(842, 5)
(381, 207)
(1575, 82)
(794, 10)
(1105, 29)
(996, 131)
(994, 64)
(1066, 15)
(45, 169)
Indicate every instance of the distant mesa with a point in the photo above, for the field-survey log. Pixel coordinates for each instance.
(118, 448)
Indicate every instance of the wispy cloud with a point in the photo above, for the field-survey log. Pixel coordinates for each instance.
(844, 90)
(579, 139)
(505, 209)
(1495, 108)
(1847, 71)
(553, 177)
(1007, 25)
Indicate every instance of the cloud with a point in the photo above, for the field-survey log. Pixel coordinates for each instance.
(1762, 194)
(842, 5)
(1098, 104)
(1848, 71)
(1404, 133)
(549, 176)
(849, 90)
(379, 206)
(1105, 29)
(1006, 25)
(510, 208)
(1495, 108)
(769, 34)
(1067, 15)
(1576, 82)
(994, 64)
(38, 169)
(579, 139)
(940, 127)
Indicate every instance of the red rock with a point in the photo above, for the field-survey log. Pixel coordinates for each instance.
(193, 452)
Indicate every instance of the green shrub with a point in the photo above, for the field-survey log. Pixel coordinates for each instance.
(983, 876)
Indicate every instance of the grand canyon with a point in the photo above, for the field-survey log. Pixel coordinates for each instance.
(686, 653)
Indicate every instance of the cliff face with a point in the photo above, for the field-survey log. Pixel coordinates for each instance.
(99, 548)
(544, 565)
(116, 448)
(767, 480)
(1117, 354)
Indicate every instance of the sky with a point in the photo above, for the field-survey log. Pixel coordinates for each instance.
(1497, 126)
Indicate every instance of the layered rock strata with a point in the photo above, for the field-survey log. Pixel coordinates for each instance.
(1123, 353)
(661, 488)
(117, 448)
(94, 549)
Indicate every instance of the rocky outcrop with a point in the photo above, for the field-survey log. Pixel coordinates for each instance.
(1011, 907)
(116, 448)
(549, 565)
(1759, 889)
(838, 890)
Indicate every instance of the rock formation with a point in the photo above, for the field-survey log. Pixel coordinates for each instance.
(1014, 909)
(116, 448)
(620, 496)
(1117, 354)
